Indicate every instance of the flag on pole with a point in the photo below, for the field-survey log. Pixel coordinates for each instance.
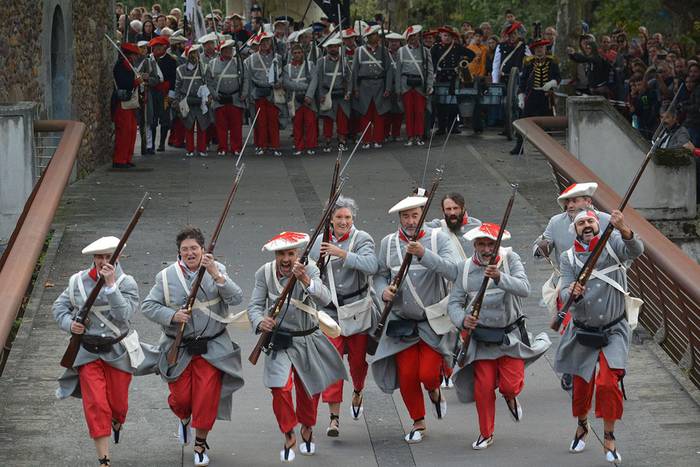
(194, 15)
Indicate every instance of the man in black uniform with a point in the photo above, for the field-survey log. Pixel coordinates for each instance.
(509, 53)
(540, 77)
(159, 93)
(446, 57)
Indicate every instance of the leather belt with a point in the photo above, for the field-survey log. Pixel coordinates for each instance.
(612, 323)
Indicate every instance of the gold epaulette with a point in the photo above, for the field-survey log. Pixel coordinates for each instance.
(528, 59)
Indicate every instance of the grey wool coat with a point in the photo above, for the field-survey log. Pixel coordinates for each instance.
(225, 78)
(372, 74)
(260, 68)
(352, 273)
(313, 356)
(325, 71)
(187, 83)
(212, 302)
(300, 81)
(412, 62)
(463, 246)
(430, 276)
(599, 305)
(118, 308)
(501, 307)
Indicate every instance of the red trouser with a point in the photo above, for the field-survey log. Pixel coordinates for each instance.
(356, 348)
(414, 109)
(608, 396)
(201, 138)
(267, 128)
(417, 364)
(177, 133)
(105, 393)
(124, 134)
(506, 374)
(197, 392)
(229, 119)
(341, 123)
(283, 405)
(305, 129)
(392, 125)
(376, 132)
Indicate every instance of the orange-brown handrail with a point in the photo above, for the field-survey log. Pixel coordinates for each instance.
(665, 277)
(27, 240)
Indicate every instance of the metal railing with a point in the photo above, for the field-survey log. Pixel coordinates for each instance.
(45, 145)
(27, 240)
(664, 276)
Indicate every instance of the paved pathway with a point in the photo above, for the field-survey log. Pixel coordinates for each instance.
(661, 424)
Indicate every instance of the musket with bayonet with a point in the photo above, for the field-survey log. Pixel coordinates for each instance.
(82, 317)
(479, 298)
(265, 340)
(192, 297)
(396, 282)
(589, 265)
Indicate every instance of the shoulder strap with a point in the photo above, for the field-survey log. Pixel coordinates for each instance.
(433, 240)
(601, 274)
(166, 288)
(71, 287)
(223, 72)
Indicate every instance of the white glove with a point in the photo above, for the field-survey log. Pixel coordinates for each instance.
(521, 101)
(549, 85)
(171, 94)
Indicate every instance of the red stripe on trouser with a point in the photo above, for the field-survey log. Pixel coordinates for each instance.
(268, 125)
(197, 392)
(105, 394)
(341, 122)
(417, 364)
(229, 119)
(283, 405)
(376, 133)
(414, 109)
(201, 138)
(608, 396)
(356, 348)
(177, 133)
(124, 134)
(506, 374)
(392, 125)
(305, 129)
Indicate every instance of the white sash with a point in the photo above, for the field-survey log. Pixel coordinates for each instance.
(454, 239)
(224, 75)
(327, 101)
(372, 60)
(417, 63)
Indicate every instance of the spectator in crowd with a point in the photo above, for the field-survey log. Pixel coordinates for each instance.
(550, 34)
(255, 13)
(691, 106)
(606, 50)
(177, 13)
(487, 29)
(643, 106)
(675, 135)
(597, 68)
(147, 31)
(161, 22)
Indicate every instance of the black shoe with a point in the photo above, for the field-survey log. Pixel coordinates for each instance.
(440, 132)
(151, 152)
(161, 148)
(567, 382)
(456, 131)
(130, 164)
(120, 166)
(516, 150)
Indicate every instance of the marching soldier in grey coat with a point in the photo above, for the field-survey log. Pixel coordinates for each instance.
(190, 87)
(372, 76)
(147, 67)
(334, 85)
(208, 367)
(351, 262)
(456, 223)
(394, 117)
(299, 79)
(110, 352)
(500, 346)
(417, 341)
(557, 238)
(302, 357)
(225, 79)
(599, 334)
(414, 83)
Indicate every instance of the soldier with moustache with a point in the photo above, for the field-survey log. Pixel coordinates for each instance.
(540, 76)
(394, 118)
(209, 53)
(500, 347)
(446, 57)
(558, 237)
(300, 80)
(208, 367)
(167, 66)
(599, 335)
(351, 262)
(264, 73)
(302, 358)
(177, 128)
(372, 76)
(349, 37)
(334, 82)
(416, 342)
(225, 79)
(308, 44)
(190, 86)
(104, 366)
(414, 81)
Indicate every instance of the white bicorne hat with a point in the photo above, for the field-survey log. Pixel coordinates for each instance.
(264, 35)
(411, 30)
(370, 30)
(286, 241)
(576, 190)
(211, 37)
(140, 44)
(409, 202)
(308, 30)
(349, 32)
(333, 41)
(227, 43)
(101, 246)
(584, 214)
(359, 25)
(177, 39)
(192, 48)
(486, 230)
(166, 31)
(393, 36)
(293, 37)
(136, 25)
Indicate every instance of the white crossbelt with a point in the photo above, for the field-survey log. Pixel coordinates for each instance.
(417, 63)
(372, 60)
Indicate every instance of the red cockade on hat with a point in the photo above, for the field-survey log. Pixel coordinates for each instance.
(486, 230)
(290, 237)
(513, 27)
